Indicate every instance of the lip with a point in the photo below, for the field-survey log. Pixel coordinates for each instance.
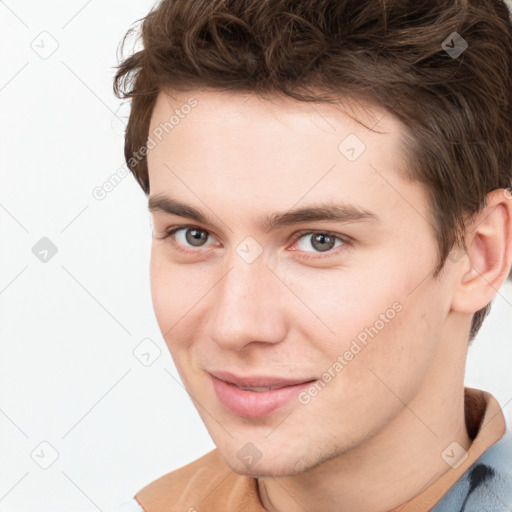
(255, 404)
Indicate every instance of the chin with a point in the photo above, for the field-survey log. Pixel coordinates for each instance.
(278, 465)
(268, 469)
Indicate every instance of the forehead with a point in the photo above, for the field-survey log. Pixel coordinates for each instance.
(231, 108)
(211, 144)
(205, 117)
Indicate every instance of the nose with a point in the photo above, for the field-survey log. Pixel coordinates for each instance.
(249, 306)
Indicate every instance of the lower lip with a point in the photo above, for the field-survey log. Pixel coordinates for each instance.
(255, 404)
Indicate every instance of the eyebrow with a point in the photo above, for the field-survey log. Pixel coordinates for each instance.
(327, 211)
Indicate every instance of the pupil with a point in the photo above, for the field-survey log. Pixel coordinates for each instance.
(322, 238)
(197, 236)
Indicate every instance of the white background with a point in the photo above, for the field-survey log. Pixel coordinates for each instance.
(69, 326)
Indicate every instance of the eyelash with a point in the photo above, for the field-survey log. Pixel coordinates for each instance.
(296, 236)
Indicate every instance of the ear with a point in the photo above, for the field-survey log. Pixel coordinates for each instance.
(489, 254)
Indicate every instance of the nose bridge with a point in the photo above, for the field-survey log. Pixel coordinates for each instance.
(246, 306)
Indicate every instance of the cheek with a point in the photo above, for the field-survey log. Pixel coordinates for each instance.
(394, 357)
(380, 322)
(170, 291)
(343, 306)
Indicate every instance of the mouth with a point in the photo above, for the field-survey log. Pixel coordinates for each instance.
(256, 396)
(258, 388)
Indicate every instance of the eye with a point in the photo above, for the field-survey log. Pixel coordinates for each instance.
(192, 235)
(186, 238)
(320, 241)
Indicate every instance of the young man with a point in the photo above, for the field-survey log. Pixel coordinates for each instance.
(329, 184)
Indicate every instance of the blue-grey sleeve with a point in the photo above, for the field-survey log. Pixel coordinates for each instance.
(486, 485)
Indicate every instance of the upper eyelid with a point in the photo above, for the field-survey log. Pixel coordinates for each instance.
(174, 229)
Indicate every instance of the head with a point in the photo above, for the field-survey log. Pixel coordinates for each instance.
(246, 110)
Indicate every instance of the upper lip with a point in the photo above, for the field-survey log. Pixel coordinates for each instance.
(257, 380)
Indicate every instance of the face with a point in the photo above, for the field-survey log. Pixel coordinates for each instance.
(251, 294)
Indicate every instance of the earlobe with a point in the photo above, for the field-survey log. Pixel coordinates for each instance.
(489, 254)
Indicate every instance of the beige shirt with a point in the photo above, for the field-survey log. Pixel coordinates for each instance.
(208, 484)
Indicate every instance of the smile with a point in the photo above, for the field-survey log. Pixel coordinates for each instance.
(255, 397)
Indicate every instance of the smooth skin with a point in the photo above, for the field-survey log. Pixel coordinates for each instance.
(372, 438)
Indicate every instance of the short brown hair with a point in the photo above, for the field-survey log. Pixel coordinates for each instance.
(456, 109)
